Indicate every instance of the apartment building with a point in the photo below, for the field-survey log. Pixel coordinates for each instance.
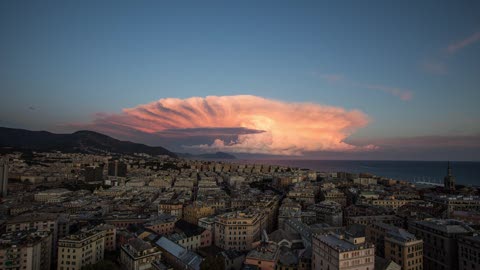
(440, 241)
(396, 244)
(30, 250)
(164, 224)
(334, 195)
(336, 251)
(174, 208)
(193, 212)
(110, 236)
(81, 249)
(237, 230)
(139, 255)
(329, 212)
(469, 252)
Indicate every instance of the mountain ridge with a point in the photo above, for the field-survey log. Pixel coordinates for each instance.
(84, 141)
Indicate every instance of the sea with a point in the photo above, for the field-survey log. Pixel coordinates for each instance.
(466, 173)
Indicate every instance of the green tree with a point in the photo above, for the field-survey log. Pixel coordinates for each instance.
(212, 263)
(102, 265)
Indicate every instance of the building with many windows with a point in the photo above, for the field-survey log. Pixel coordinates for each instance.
(163, 224)
(334, 251)
(3, 178)
(440, 241)
(31, 250)
(81, 249)
(237, 230)
(193, 212)
(469, 252)
(334, 195)
(139, 255)
(395, 244)
(329, 212)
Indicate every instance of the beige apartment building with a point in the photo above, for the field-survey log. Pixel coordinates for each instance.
(139, 255)
(268, 205)
(30, 250)
(81, 249)
(237, 230)
(396, 244)
(52, 195)
(173, 208)
(335, 195)
(332, 252)
(165, 224)
(110, 236)
(193, 212)
(391, 203)
(35, 221)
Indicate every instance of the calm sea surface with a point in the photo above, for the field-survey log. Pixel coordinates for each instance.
(466, 173)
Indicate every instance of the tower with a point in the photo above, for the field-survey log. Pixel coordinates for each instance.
(117, 168)
(3, 178)
(449, 180)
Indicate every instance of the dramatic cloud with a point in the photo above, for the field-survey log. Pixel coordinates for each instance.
(454, 47)
(244, 124)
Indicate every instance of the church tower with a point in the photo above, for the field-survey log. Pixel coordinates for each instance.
(449, 180)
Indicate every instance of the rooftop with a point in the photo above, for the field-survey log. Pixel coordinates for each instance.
(189, 258)
(446, 225)
(22, 238)
(338, 243)
(137, 246)
(82, 235)
(32, 217)
(266, 251)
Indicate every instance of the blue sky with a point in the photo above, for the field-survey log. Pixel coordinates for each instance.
(63, 61)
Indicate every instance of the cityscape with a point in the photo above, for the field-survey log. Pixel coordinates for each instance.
(249, 135)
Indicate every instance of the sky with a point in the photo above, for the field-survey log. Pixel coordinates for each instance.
(297, 79)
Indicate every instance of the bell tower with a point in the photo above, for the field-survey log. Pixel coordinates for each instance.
(449, 180)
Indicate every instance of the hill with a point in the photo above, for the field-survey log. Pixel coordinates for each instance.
(83, 141)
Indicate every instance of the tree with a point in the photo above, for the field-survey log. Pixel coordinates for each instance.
(102, 265)
(212, 263)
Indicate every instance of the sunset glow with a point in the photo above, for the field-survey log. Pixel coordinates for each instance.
(260, 125)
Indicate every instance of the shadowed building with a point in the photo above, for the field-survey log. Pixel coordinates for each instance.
(440, 241)
(469, 252)
(396, 244)
(3, 178)
(117, 169)
(94, 173)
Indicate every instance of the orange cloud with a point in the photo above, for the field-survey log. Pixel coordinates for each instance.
(259, 125)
